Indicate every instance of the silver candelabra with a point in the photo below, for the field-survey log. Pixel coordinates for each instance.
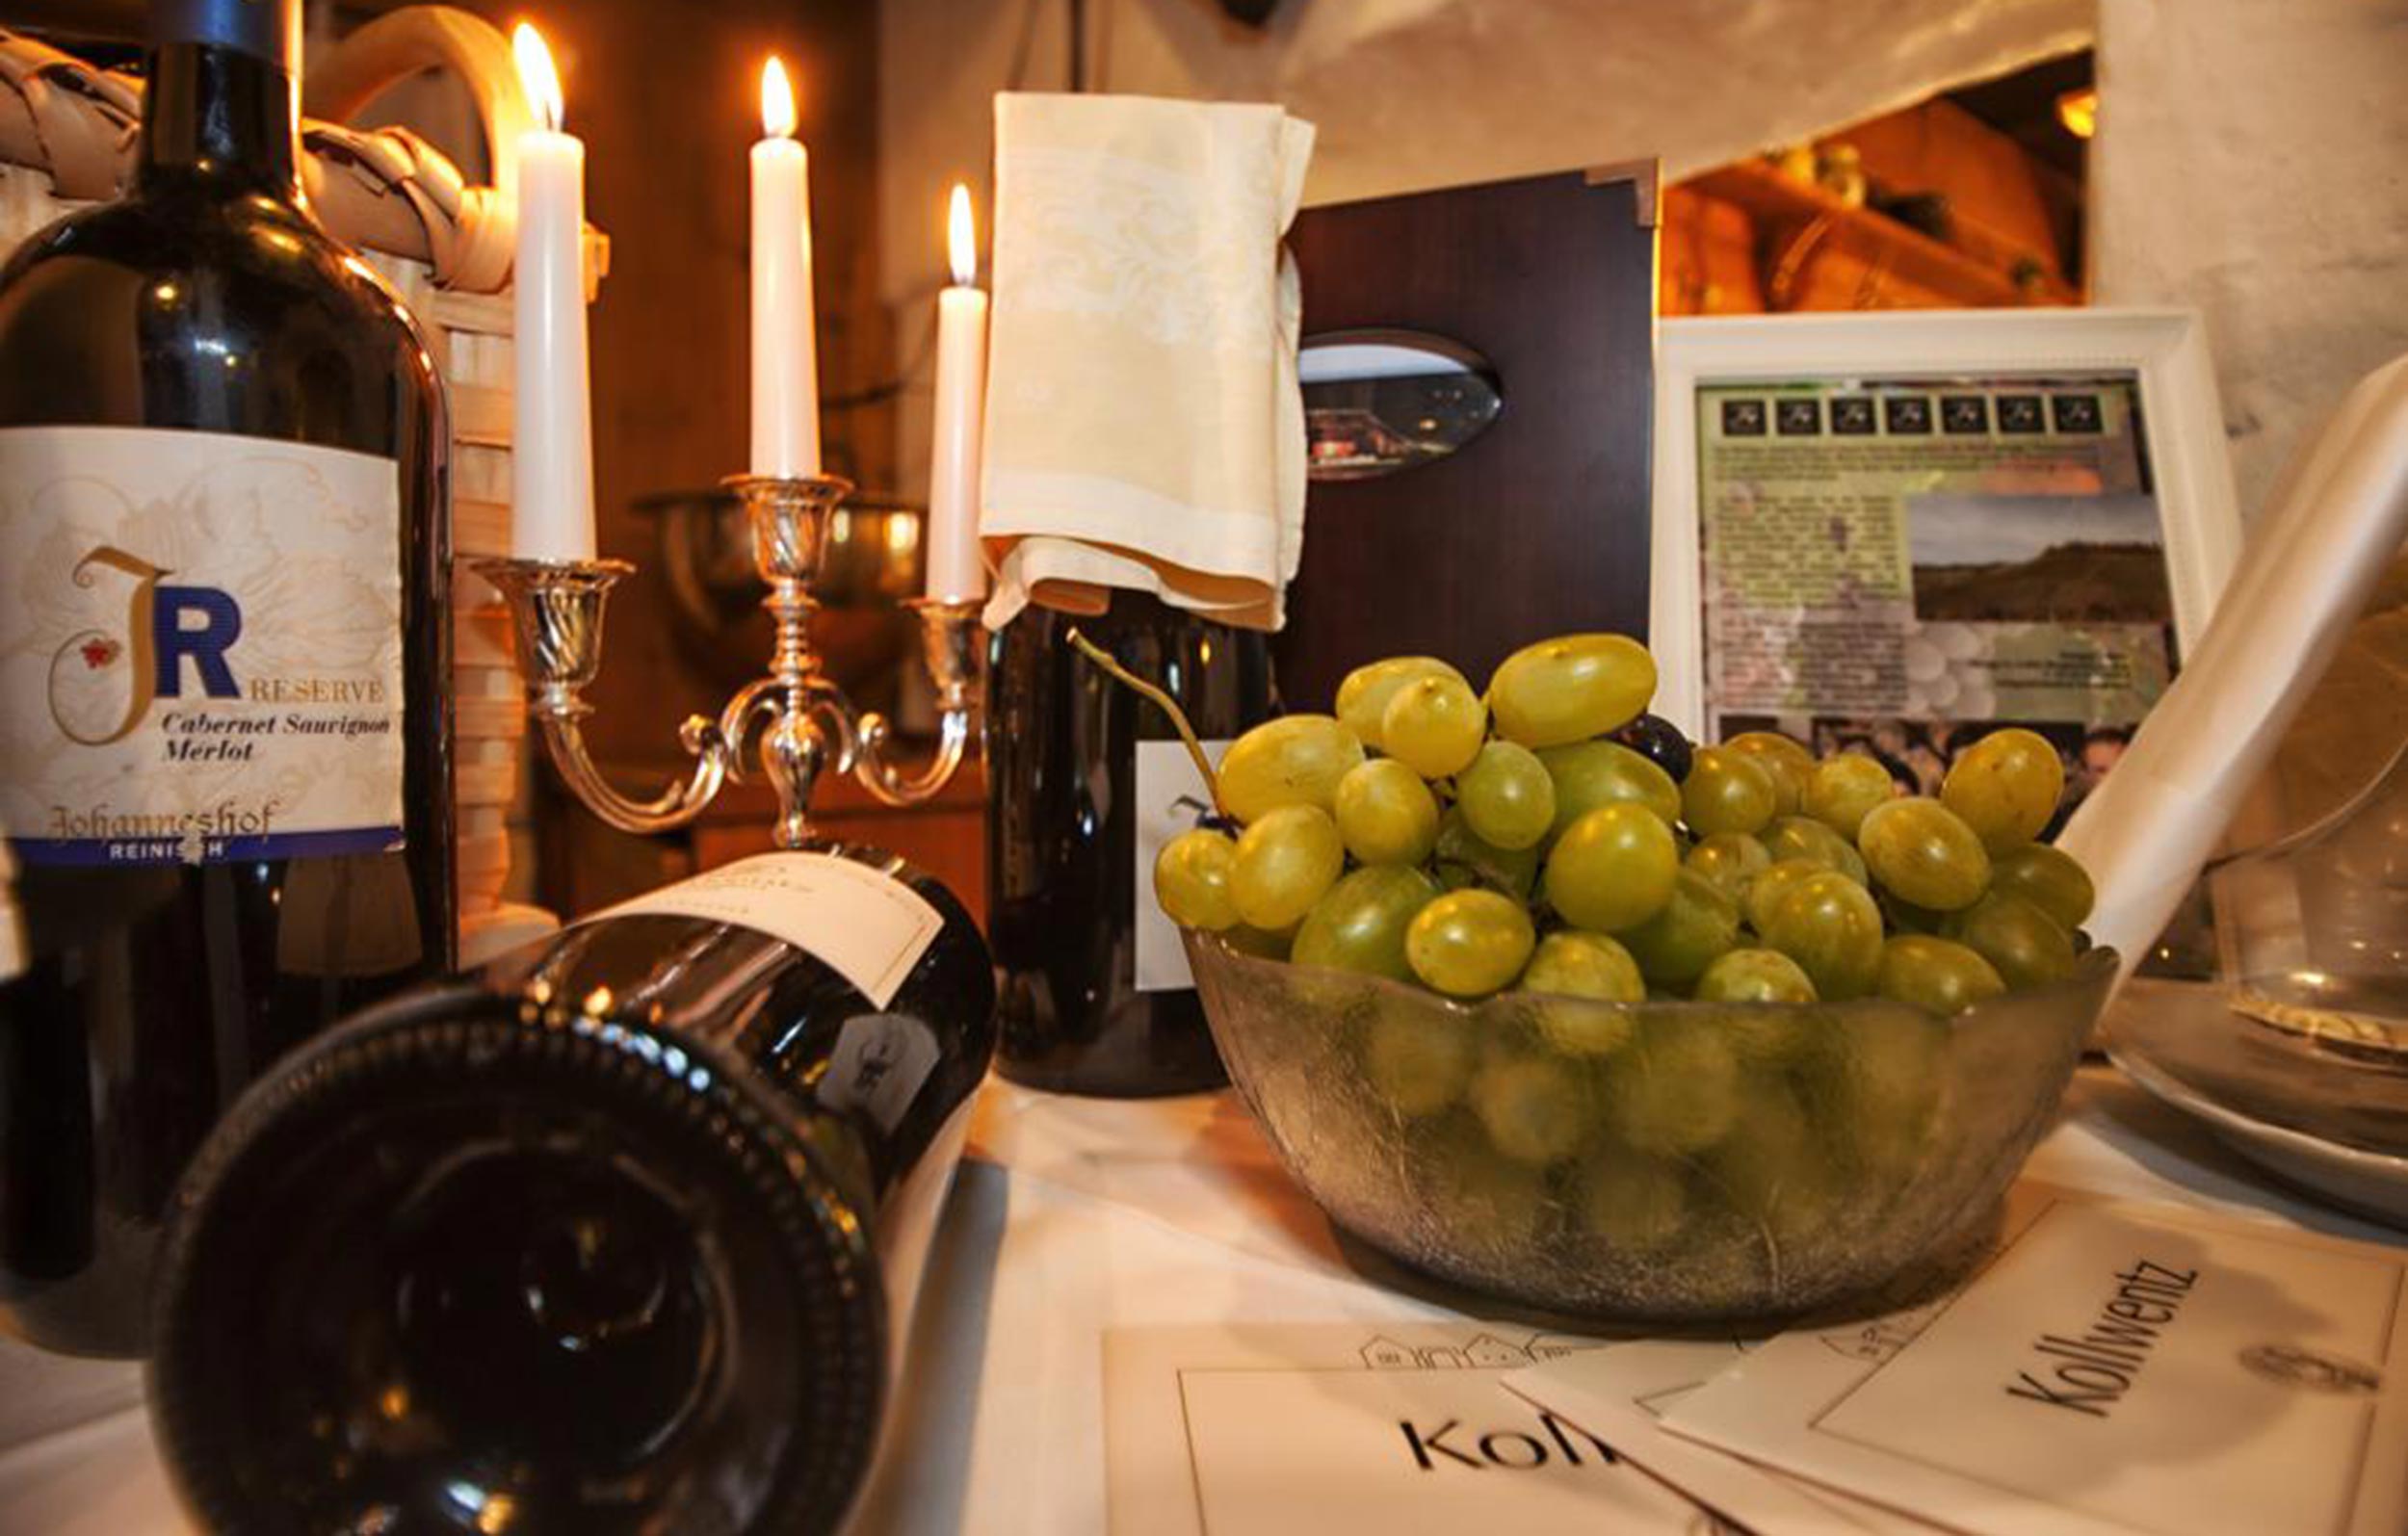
(804, 720)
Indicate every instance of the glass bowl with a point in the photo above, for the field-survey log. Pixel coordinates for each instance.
(1656, 1161)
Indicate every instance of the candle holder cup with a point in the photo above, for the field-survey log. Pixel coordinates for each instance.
(803, 722)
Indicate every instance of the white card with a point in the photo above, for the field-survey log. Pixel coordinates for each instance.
(860, 921)
(1621, 1393)
(1400, 1429)
(2115, 1368)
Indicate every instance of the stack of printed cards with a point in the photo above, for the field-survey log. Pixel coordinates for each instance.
(2113, 1367)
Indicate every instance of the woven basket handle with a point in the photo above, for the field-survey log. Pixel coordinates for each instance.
(409, 41)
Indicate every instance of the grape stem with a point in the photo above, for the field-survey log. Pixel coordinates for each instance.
(1168, 706)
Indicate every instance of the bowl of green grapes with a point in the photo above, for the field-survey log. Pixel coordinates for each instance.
(1532, 994)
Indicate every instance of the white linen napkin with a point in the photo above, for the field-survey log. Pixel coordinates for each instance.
(1144, 426)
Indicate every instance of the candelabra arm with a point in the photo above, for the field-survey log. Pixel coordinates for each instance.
(890, 784)
(952, 646)
(556, 608)
(674, 807)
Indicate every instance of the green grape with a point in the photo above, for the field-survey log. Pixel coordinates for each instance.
(2050, 878)
(1363, 697)
(1726, 790)
(1587, 1026)
(1769, 1150)
(1876, 1078)
(1477, 1194)
(1435, 726)
(1535, 1109)
(2022, 942)
(1842, 788)
(1630, 1201)
(1925, 853)
(1285, 861)
(1731, 859)
(1803, 837)
(1939, 976)
(1468, 944)
(1264, 943)
(1583, 974)
(1360, 925)
(1191, 879)
(1295, 760)
(1768, 1039)
(1590, 774)
(1418, 1060)
(1852, 865)
(1774, 1174)
(1754, 976)
(1506, 795)
(1386, 814)
(2006, 786)
(1573, 964)
(1786, 759)
(1676, 1089)
(1905, 917)
(1464, 858)
(1614, 869)
(1571, 688)
(1831, 926)
(1766, 890)
(1676, 945)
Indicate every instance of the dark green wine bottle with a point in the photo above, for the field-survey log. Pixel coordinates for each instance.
(620, 1233)
(224, 758)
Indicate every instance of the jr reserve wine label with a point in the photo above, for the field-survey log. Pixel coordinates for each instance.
(200, 647)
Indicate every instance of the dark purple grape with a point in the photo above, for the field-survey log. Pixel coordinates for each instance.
(1659, 740)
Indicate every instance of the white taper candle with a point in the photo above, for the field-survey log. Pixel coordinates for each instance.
(955, 573)
(785, 356)
(552, 447)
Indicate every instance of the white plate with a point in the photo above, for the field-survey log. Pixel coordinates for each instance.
(2369, 1182)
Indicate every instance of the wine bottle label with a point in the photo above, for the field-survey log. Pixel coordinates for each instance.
(867, 926)
(879, 1065)
(200, 647)
(1173, 798)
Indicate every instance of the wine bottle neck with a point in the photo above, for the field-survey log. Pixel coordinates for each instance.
(224, 95)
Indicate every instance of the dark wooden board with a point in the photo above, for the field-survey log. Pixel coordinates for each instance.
(1538, 526)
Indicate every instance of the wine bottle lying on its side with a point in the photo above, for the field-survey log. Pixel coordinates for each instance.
(619, 1234)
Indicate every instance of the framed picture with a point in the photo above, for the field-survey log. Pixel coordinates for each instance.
(1894, 532)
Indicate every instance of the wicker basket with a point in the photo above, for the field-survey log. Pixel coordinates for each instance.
(67, 139)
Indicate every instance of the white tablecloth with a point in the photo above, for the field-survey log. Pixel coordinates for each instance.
(1070, 1217)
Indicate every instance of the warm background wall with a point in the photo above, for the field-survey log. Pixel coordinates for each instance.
(2249, 161)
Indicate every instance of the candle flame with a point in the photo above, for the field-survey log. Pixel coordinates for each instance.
(2078, 111)
(777, 101)
(537, 75)
(962, 240)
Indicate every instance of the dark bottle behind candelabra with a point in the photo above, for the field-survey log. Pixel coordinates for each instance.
(619, 1235)
(224, 733)
(1075, 762)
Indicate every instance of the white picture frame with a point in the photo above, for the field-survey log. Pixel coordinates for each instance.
(2166, 348)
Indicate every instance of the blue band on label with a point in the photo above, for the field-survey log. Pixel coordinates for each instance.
(268, 28)
(100, 852)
